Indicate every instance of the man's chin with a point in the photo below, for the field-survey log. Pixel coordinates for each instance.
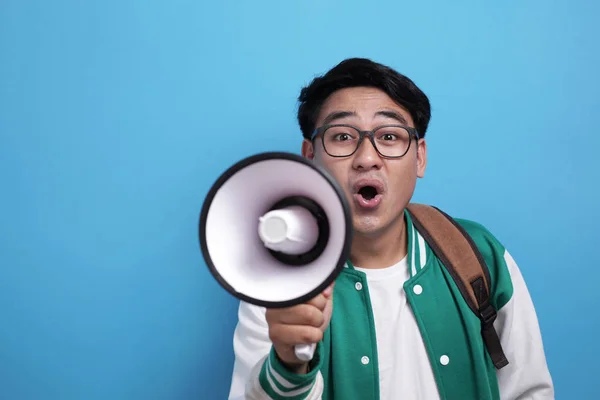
(367, 225)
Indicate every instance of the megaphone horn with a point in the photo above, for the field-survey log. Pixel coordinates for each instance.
(275, 230)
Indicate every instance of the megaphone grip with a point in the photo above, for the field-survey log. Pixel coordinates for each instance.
(305, 352)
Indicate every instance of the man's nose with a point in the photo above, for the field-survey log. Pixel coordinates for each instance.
(366, 156)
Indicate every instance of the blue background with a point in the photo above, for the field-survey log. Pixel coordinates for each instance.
(116, 117)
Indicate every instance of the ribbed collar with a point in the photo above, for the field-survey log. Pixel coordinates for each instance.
(417, 248)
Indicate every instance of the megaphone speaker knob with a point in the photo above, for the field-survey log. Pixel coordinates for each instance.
(295, 230)
(292, 230)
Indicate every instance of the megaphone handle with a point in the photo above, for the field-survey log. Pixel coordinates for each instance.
(305, 352)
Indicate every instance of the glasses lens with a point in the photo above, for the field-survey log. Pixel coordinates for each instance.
(391, 141)
(340, 141)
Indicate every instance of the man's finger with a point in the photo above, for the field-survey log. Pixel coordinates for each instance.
(292, 335)
(319, 301)
(304, 314)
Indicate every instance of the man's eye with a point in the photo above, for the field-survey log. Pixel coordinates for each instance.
(342, 137)
(389, 136)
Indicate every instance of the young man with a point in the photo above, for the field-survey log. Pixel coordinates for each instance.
(392, 326)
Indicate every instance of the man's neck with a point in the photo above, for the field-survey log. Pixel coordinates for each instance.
(382, 250)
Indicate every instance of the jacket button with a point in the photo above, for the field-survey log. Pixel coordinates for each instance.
(418, 289)
(364, 360)
(444, 360)
(358, 286)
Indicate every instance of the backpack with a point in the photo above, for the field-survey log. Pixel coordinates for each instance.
(460, 256)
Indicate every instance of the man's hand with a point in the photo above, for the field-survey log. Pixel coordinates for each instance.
(301, 324)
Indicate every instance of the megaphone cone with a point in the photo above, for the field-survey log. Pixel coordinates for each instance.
(275, 230)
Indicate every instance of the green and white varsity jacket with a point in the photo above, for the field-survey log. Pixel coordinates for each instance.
(453, 362)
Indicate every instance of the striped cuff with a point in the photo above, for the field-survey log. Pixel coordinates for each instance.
(279, 383)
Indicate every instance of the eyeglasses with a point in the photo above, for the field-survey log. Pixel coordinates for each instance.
(390, 141)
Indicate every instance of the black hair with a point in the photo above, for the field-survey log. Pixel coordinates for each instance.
(355, 72)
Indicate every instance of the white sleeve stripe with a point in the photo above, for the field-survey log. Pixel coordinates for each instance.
(422, 256)
(291, 393)
(280, 379)
(413, 268)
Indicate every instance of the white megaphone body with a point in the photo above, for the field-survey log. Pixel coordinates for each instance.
(275, 230)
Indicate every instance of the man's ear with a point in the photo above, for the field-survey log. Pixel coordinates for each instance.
(308, 150)
(421, 158)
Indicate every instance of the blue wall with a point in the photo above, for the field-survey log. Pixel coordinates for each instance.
(116, 116)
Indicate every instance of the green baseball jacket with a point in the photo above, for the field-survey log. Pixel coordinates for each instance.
(345, 364)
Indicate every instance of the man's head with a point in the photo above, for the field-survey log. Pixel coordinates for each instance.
(366, 95)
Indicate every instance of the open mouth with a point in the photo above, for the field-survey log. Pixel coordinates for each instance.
(368, 195)
(368, 192)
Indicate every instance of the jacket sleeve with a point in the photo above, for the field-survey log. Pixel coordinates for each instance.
(527, 375)
(257, 372)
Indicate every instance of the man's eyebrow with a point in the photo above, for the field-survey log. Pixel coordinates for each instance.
(393, 115)
(344, 114)
(337, 115)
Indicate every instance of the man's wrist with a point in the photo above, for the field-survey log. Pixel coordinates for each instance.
(301, 368)
(281, 380)
(297, 371)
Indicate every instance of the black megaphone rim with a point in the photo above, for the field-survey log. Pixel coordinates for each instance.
(224, 177)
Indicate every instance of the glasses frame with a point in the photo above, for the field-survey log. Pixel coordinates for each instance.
(412, 132)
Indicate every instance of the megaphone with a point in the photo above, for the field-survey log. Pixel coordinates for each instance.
(275, 230)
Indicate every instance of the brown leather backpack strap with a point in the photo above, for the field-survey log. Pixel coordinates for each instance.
(459, 254)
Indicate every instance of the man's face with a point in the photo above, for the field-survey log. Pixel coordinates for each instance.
(395, 178)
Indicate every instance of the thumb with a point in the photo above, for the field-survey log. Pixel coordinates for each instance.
(327, 312)
(328, 292)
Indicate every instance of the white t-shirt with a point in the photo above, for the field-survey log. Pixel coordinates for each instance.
(403, 361)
